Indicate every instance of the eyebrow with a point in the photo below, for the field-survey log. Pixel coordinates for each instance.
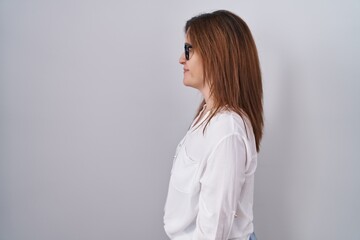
(189, 44)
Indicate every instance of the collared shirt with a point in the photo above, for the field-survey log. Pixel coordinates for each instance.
(211, 186)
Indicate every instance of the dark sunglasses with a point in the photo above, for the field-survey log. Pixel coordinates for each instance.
(187, 51)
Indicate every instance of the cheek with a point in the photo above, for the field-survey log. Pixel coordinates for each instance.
(198, 69)
(198, 74)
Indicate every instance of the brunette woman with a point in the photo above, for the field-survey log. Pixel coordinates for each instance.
(211, 186)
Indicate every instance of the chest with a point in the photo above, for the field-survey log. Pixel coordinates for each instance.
(189, 162)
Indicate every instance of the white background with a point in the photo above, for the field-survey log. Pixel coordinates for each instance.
(92, 107)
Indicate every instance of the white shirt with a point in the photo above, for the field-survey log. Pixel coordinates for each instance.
(211, 186)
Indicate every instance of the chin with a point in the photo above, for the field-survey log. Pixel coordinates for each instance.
(186, 83)
(190, 84)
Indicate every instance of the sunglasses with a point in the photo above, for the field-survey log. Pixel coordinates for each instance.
(188, 52)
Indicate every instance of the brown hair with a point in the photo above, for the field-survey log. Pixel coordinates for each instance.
(231, 65)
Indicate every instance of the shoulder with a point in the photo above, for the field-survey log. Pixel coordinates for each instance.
(226, 123)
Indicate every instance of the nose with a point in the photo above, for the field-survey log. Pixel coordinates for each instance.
(182, 59)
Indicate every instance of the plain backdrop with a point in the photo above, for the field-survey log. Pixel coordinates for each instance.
(92, 106)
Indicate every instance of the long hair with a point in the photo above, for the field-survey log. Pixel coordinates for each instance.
(231, 66)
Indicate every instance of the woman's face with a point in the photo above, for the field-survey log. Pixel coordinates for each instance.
(193, 68)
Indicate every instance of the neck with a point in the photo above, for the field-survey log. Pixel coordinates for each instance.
(208, 99)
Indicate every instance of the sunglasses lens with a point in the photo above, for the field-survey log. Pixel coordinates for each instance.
(187, 51)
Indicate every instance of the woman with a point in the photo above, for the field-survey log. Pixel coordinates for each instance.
(212, 179)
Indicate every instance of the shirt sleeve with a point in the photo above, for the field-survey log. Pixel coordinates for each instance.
(221, 184)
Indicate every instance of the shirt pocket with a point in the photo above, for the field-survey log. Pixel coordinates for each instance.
(184, 171)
